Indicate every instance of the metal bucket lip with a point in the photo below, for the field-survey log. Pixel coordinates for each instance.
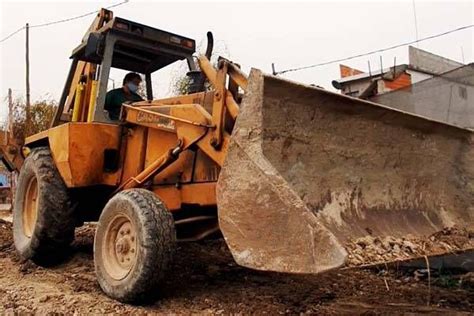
(347, 97)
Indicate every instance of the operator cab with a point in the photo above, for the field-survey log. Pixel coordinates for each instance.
(121, 44)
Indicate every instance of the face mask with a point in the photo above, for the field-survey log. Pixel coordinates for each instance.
(132, 87)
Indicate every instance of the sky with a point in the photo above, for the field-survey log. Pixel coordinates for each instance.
(253, 34)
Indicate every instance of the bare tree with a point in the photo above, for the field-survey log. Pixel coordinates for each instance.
(180, 82)
(41, 114)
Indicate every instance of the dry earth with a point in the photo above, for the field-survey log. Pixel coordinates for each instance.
(206, 280)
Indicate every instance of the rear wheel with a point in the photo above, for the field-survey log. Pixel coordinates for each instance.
(43, 219)
(134, 245)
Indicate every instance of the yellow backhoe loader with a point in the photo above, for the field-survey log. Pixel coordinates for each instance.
(296, 178)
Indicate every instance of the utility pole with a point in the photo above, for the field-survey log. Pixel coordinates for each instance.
(10, 108)
(381, 66)
(27, 56)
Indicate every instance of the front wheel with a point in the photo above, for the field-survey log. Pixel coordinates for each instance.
(134, 245)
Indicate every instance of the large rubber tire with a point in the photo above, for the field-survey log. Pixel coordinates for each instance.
(45, 234)
(133, 219)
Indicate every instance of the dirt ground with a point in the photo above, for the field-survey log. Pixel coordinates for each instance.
(206, 280)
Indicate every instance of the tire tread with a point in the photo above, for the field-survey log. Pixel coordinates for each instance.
(159, 240)
(54, 229)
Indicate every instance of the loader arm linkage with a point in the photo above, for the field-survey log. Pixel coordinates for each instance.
(191, 122)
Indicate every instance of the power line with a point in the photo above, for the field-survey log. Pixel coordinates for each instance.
(76, 17)
(375, 51)
(7, 37)
(61, 21)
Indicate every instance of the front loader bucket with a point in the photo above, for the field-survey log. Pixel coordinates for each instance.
(314, 180)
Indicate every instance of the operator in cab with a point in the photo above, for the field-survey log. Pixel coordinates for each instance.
(127, 93)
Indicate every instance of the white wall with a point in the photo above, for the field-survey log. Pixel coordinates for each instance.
(417, 76)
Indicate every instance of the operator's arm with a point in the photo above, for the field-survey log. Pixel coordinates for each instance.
(136, 97)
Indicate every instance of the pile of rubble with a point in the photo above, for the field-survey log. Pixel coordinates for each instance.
(370, 250)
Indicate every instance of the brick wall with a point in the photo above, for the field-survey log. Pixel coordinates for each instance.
(401, 81)
(347, 71)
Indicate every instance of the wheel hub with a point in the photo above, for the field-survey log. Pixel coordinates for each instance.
(121, 245)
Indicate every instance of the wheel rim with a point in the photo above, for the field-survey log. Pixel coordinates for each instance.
(30, 207)
(120, 248)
